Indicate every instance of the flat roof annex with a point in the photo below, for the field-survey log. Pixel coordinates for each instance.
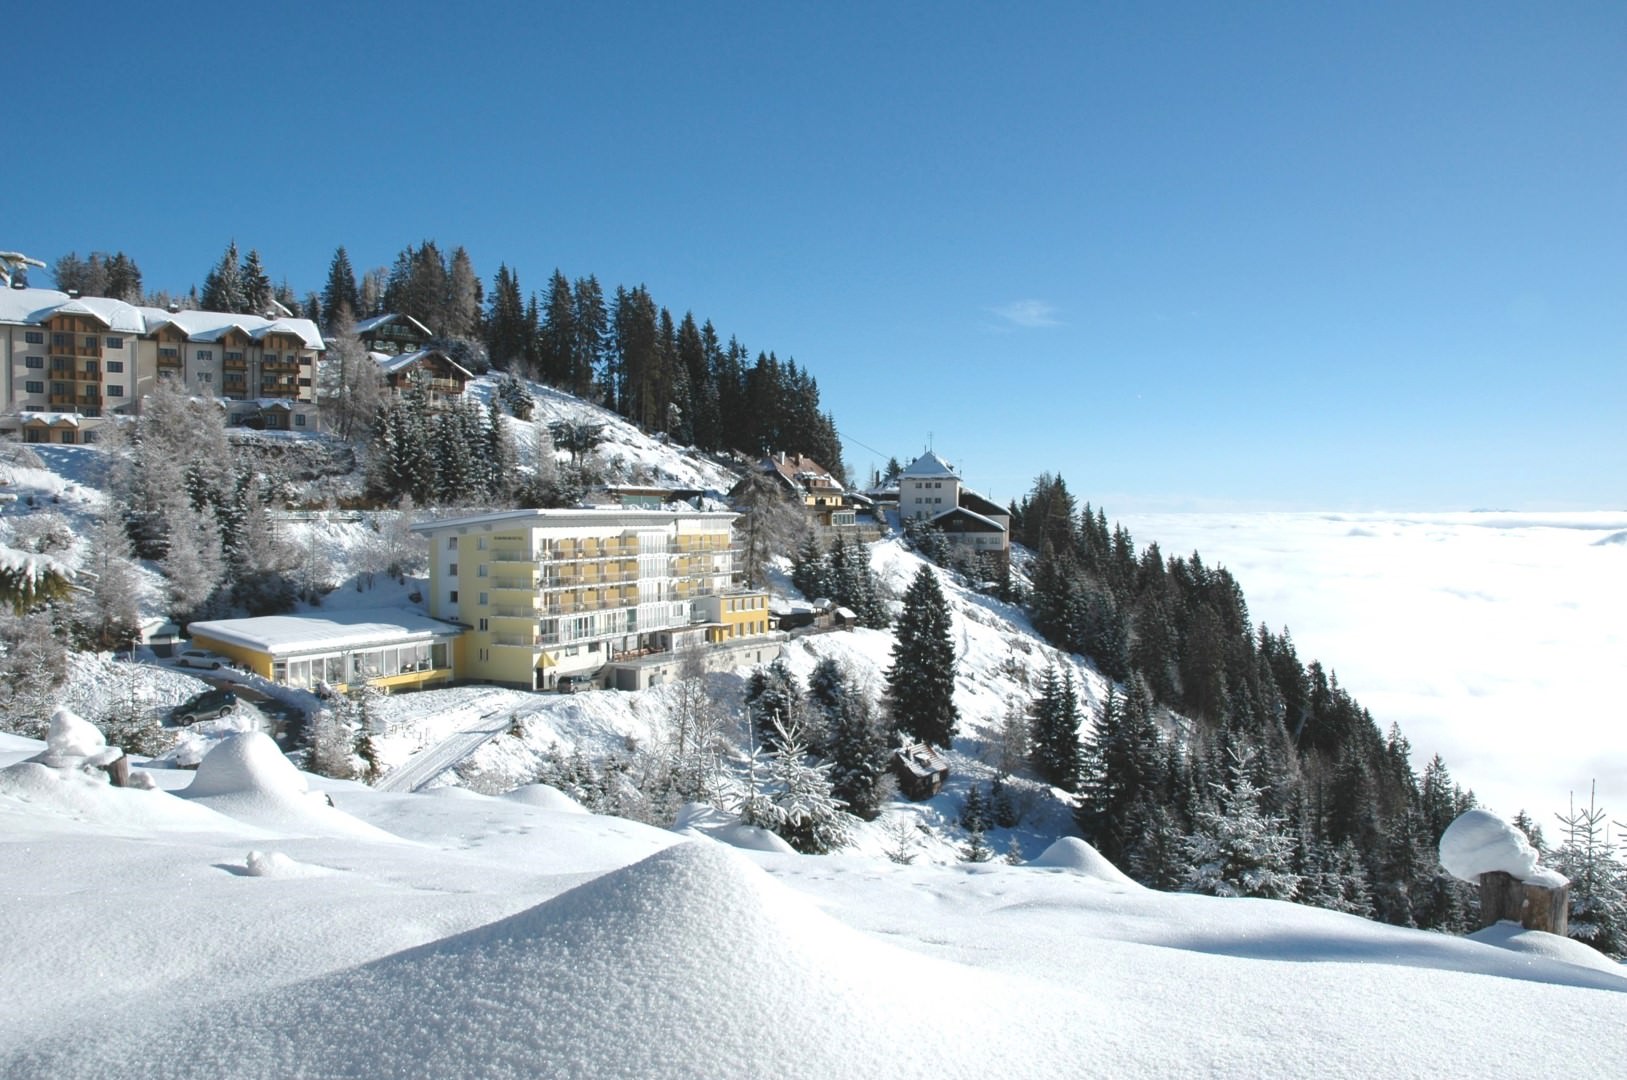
(335, 631)
(608, 517)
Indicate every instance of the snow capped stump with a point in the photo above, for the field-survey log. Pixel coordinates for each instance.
(1481, 848)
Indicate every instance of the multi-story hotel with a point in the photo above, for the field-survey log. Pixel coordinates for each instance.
(554, 593)
(66, 362)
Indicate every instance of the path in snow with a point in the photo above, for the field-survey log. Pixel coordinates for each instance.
(431, 761)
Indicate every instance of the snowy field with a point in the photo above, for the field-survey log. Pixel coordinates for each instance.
(232, 923)
(1493, 639)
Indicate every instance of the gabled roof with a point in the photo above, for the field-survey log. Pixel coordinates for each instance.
(976, 503)
(972, 518)
(210, 325)
(391, 363)
(364, 326)
(799, 471)
(929, 465)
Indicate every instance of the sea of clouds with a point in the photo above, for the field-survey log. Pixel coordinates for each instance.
(1498, 640)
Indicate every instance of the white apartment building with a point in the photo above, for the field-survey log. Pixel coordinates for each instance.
(67, 362)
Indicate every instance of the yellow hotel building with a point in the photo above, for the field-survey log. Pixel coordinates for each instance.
(551, 593)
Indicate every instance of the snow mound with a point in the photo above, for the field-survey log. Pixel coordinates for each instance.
(1480, 842)
(547, 797)
(274, 864)
(247, 764)
(724, 968)
(88, 798)
(74, 742)
(1072, 853)
(247, 777)
(710, 823)
(1507, 935)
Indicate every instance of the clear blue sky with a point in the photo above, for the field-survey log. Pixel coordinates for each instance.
(1354, 256)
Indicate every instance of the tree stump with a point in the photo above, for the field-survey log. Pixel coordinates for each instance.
(118, 772)
(1533, 905)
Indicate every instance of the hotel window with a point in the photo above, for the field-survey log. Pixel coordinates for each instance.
(34, 337)
(483, 625)
(233, 356)
(35, 362)
(34, 387)
(115, 367)
(63, 340)
(115, 390)
(270, 357)
(483, 600)
(90, 341)
(115, 343)
(453, 569)
(451, 543)
(452, 597)
(205, 378)
(480, 571)
(206, 355)
(299, 419)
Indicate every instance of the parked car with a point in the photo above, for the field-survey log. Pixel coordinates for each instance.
(209, 705)
(570, 684)
(200, 658)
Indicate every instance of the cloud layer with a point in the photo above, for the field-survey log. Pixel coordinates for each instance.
(1027, 314)
(1495, 640)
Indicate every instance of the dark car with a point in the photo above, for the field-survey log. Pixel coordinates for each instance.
(209, 705)
(570, 684)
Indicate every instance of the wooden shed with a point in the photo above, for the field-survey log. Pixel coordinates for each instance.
(921, 770)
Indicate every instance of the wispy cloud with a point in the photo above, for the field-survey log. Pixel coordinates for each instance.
(1027, 314)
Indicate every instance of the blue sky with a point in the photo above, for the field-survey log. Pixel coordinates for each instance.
(1189, 256)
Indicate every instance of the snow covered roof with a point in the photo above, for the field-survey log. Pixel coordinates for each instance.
(212, 325)
(34, 306)
(368, 325)
(929, 464)
(288, 635)
(972, 518)
(615, 516)
(976, 503)
(390, 363)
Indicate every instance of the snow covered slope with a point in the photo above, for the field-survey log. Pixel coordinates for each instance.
(507, 939)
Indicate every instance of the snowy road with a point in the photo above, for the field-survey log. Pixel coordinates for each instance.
(430, 762)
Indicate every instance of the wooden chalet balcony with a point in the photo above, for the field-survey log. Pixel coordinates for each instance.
(235, 365)
(76, 350)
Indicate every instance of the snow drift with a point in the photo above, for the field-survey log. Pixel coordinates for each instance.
(729, 973)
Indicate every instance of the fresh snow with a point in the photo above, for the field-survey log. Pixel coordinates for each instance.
(1480, 842)
(504, 938)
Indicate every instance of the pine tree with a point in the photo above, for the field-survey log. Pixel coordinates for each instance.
(256, 283)
(1056, 730)
(1598, 899)
(223, 285)
(921, 680)
(1237, 850)
(856, 745)
(341, 300)
(773, 702)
